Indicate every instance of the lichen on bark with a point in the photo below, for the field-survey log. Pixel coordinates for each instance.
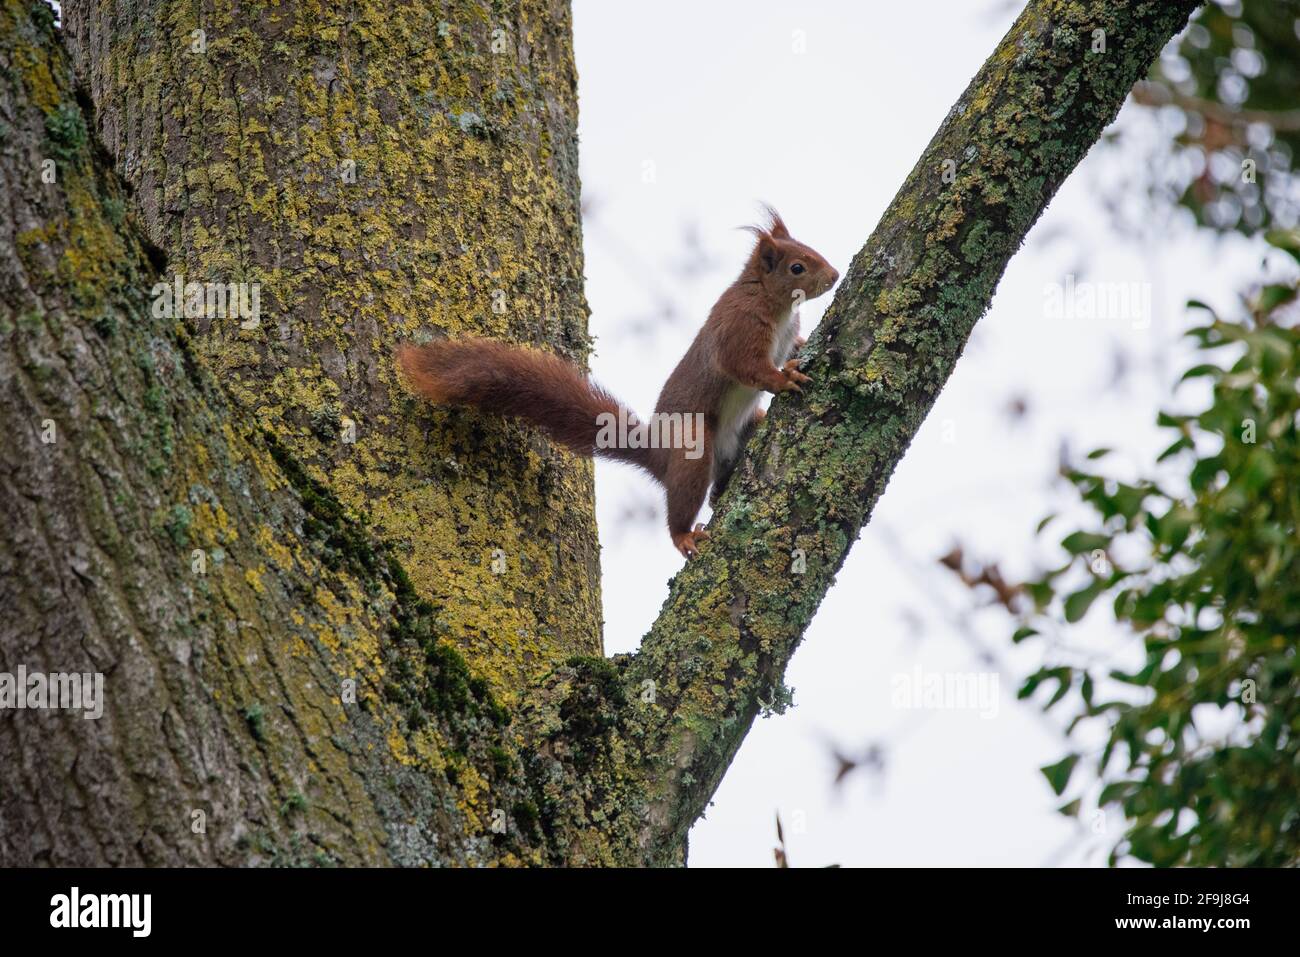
(385, 170)
(155, 535)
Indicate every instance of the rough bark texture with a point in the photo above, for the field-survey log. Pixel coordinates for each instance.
(155, 533)
(387, 170)
(225, 687)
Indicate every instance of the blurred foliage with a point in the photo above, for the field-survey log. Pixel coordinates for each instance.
(1203, 747)
(1235, 78)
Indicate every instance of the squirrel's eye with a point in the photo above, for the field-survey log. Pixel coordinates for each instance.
(797, 269)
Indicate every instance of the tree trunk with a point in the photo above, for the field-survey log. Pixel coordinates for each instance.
(386, 170)
(181, 502)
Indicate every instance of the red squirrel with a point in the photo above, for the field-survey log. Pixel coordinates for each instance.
(745, 348)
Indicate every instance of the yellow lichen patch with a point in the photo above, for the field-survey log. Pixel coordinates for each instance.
(254, 578)
(430, 749)
(277, 552)
(472, 785)
(212, 526)
(348, 632)
(418, 179)
(397, 747)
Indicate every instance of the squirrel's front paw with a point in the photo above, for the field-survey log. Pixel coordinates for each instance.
(793, 376)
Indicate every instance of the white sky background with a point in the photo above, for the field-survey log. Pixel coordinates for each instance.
(714, 96)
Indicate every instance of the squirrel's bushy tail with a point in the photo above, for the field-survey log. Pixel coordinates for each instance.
(506, 380)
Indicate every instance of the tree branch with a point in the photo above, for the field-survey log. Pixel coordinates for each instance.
(1153, 94)
(886, 345)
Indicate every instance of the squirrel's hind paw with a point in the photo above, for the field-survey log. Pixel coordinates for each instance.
(688, 543)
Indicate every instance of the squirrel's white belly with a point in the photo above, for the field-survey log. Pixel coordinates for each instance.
(737, 408)
(738, 404)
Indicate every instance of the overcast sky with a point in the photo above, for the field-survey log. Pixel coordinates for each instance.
(691, 114)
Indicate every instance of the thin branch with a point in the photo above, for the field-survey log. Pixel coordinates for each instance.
(1147, 93)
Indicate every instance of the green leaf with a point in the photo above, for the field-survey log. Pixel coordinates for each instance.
(1181, 443)
(1030, 685)
(1260, 469)
(1077, 543)
(1077, 604)
(1270, 297)
(1129, 499)
(1066, 682)
(1205, 471)
(1285, 239)
(1116, 791)
(1206, 368)
(1041, 593)
(1168, 421)
(1175, 525)
(1058, 774)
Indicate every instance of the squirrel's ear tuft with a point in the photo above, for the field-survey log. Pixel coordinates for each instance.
(776, 225)
(768, 254)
